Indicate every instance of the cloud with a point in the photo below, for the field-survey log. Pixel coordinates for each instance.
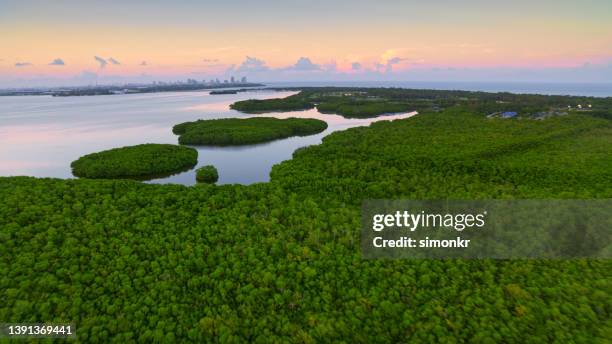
(304, 64)
(104, 62)
(101, 61)
(356, 66)
(252, 64)
(23, 64)
(393, 61)
(440, 75)
(390, 57)
(57, 62)
(143, 63)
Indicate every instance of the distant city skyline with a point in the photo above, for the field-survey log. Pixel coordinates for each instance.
(64, 42)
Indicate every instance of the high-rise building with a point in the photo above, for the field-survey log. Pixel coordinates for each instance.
(243, 80)
(232, 80)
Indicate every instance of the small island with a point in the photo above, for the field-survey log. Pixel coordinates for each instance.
(207, 174)
(291, 103)
(236, 131)
(140, 162)
(347, 103)
(223, 92)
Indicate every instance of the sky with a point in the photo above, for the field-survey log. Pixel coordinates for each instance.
(54, 43)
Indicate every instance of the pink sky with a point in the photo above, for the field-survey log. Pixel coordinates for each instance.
(58, 42)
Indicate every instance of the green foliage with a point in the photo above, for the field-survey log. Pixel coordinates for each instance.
(236, 131)
(291, 103)
(207, 174)
(135, 161)
(601, 114)
(373, 102)
(458, 155)
(362, 109)
(280, 261)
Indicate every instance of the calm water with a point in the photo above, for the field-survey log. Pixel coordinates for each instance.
(40, 136)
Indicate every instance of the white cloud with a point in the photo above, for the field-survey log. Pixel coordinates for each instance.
(304, 64)
(57, 62)
(252, 64)
(306, 69)
(392, 61)
(101, 61)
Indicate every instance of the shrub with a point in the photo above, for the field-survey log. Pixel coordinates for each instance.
(207, 174)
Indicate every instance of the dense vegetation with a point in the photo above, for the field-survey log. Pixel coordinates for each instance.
(291, 103)
(362, 109)
(372, 102)
(280, 261)
(135, 161)
(207, 174)
(459, 155)
(236, 131)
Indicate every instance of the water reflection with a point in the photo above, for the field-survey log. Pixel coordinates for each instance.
(252, 164)
(40, 136)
